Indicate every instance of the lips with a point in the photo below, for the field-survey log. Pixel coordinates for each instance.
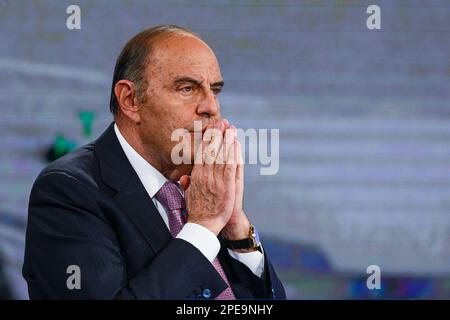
(203, 130)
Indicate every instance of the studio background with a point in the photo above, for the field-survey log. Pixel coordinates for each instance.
(364, 119)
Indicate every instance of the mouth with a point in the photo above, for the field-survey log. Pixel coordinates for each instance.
(202, 131)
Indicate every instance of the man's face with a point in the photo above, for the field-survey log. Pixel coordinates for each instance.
(184, 80)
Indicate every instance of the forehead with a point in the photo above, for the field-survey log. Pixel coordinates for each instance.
(183, 55)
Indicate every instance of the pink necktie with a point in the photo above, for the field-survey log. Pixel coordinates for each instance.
(170, 197)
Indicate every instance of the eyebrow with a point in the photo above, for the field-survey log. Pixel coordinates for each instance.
(197, 82)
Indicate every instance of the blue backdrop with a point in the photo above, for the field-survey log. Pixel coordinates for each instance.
(364, 119)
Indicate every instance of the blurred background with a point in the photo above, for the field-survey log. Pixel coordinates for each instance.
(364, 119)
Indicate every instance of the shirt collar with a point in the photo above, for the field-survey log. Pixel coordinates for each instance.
(151, 178)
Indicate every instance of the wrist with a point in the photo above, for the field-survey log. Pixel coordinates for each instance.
(236, 231)
(211, 226)
(249, 243)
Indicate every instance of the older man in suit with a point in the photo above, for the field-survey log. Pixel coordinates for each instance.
(120, 215)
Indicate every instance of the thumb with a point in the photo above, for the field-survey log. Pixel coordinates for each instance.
(185, 181)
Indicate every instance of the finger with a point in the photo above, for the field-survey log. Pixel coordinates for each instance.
(199, 153)
(230, 166)
(224, 149)
(240, 163)
(200, 148)
(215, 138)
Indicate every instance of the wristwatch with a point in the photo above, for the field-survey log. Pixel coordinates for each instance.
(252, 242)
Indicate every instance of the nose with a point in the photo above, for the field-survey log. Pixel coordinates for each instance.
(209, 105)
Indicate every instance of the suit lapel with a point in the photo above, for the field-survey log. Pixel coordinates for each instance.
(131, 196)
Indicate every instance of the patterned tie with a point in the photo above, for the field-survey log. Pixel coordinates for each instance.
(170, 197)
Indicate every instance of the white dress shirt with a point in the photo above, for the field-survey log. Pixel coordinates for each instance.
(200, 237)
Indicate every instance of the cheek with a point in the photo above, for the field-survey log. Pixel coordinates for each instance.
(169, 111)
(181, 116)
(164, 105)
(156, 111)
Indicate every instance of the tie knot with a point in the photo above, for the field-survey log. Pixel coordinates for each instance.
(170, 197)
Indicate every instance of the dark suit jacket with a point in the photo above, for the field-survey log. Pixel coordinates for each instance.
(90, 209)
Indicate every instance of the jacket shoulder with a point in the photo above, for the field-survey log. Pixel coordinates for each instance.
(80, 164)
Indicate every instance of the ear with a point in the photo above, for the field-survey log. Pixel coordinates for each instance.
(125, 92)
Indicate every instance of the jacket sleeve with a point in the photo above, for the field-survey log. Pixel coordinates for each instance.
(66, 227)
(268, 286)
(276, 289)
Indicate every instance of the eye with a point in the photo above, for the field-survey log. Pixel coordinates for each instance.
(186, 90)
(216, 90)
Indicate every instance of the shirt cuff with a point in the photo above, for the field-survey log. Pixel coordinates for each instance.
(201, 238)
(253, 260)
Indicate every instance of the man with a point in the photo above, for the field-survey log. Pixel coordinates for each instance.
(111, 221)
